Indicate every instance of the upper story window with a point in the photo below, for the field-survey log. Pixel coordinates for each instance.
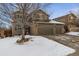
(71, 17)
(20, 16)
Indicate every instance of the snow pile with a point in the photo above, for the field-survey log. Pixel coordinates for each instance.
(73, 33)
(53, 21)
(40, 46)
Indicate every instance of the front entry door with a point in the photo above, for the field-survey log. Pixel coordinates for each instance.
(27, 31)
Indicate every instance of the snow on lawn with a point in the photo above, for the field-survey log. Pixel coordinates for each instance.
(40, 46)
(73, 33)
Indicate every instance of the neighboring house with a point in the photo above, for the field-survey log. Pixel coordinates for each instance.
(8, 32)
(5, 32)
(69, 20)
(2, 32)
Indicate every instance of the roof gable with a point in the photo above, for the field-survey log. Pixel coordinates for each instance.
(39, 10)
(72, 14)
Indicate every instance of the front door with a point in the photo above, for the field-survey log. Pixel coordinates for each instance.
(27, 31)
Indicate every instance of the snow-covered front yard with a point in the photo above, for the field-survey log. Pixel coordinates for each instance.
(40, 46)
(73, 33)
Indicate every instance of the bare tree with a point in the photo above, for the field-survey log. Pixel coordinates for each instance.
(26, 8)
(8, 9)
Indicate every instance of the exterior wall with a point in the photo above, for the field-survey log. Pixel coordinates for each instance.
(5, 32)
(40, 16)
(18, 22)
(16, 29)
(69, 20)
(34, 28)
(48, 29)
(2, 33)
(74, 29)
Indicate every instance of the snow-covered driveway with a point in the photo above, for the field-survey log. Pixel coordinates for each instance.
(40, 46)
(73, 33)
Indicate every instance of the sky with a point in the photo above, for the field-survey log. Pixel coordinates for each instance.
(55, 10)
(59, 9)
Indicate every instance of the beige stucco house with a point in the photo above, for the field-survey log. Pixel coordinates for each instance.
(39, 24)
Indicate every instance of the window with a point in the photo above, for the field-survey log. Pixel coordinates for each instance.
(17, 16)
(18, 27)
(20, 16)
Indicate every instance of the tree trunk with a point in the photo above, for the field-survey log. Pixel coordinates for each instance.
(23, 34)
(23, 23)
